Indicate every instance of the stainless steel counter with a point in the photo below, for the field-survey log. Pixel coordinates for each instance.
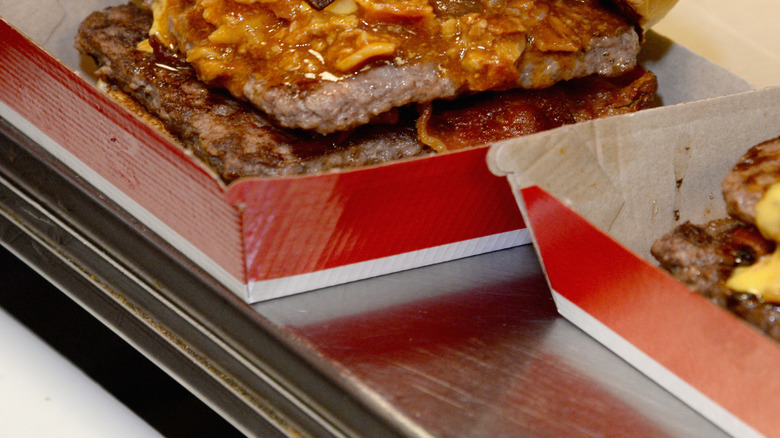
(475, 348)
(469, 348)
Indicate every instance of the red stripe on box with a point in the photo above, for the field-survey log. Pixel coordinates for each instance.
(724, 358)
(342, 218)
(120, 148)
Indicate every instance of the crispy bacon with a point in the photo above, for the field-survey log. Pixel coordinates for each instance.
(489, 117)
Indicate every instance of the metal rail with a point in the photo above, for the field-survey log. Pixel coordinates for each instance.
(167, 308)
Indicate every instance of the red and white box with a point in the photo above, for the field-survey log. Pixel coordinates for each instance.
(266, 238)
(597, 195)
(261, 237)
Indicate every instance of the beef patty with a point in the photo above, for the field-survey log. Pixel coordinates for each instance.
(233, 138)
(335, 69)
(750, 178)
(703, 257)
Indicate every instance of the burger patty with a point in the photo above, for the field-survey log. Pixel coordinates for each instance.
(339, 105)
(703, 257)
(232, 137)
(331, 71)
(238, 140)
(750, 178)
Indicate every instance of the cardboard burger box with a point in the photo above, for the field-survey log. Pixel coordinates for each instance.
(596, 196)
(266, 238)
(263, 238)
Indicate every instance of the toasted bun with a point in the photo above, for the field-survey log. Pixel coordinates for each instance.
(646, 12)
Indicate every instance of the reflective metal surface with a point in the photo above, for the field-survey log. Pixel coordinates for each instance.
(185, 322)
(470, 348)
(475, 348)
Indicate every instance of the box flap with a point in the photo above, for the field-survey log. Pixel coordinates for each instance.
(662, 161)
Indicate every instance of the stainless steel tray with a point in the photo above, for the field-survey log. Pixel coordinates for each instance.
(469, 348)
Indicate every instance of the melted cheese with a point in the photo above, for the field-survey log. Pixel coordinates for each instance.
(145, 46)
(763, 277)
(159, 26)
(342, 7)
(158, 29)
(768, 213)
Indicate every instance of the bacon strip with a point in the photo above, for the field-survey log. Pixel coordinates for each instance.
(490, 117)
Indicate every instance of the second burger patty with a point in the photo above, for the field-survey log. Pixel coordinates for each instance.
(230, 136)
